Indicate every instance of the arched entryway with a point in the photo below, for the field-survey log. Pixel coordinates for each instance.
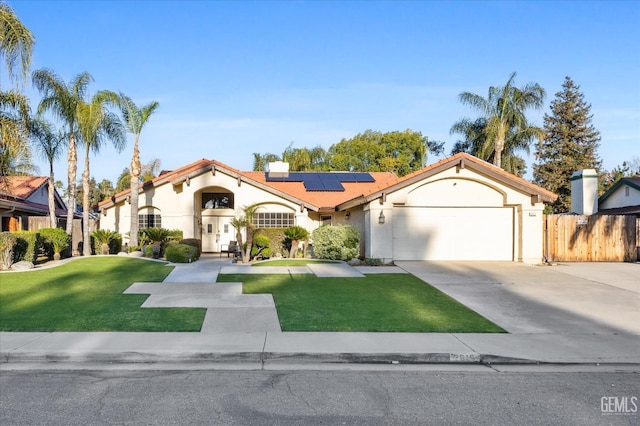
(215, 209)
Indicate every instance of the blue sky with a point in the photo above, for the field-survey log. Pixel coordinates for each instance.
(234, 78)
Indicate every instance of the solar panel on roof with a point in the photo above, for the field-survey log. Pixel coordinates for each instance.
(292, 177)
(364, 177)
(330, 182)
(312, 182)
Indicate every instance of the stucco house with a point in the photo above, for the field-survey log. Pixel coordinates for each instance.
(622, 198)
(460, 208)
(24, 196)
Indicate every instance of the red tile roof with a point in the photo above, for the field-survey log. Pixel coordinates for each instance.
(322, 200)
(328, 199)
(22, 186)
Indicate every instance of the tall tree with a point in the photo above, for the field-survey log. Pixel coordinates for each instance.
(504, 112)
(261, 161)
(16, 47)
(49, 145)
(570, 144)
(475, 143)
(96, 125)
(62, 101)
(135, 119)
(373, 151)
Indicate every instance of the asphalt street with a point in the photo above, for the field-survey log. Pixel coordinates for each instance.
(469, 395)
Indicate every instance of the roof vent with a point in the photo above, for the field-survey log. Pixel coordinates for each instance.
(278, 169)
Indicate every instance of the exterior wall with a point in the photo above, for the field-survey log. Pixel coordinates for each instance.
(459, 188)
(41, 196)
(619, 199)
(180, 205)
(584, 192)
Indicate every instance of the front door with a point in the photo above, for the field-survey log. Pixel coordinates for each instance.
(216, 233)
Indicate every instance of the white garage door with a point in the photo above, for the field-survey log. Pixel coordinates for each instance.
(443, 233)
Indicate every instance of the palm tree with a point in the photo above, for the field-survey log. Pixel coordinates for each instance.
(49, 145)
(249, 213)
(135, 118)
(63, 100)
(15, 155)
(16, 43)
(96, 124)
(506, 124)
(16, 47)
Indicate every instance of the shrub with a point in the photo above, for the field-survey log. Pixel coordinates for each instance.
(106, 242)
(181, 253)
(27, 246)
(260, 244)
(175, 235)
(194, 242)
(55, 241)
(336, 242)
(294, 235)
(155, 234)
(7, 242)
(147, 251)
(277, 240)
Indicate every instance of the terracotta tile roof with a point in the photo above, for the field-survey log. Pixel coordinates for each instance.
(331, 199)
(23, 186)
(508, 177)
(328, 199)
(166, 175)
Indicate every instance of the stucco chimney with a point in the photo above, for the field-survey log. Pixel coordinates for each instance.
(278, 169)
(584, 192)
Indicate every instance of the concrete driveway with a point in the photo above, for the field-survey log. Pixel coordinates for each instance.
(570, 298)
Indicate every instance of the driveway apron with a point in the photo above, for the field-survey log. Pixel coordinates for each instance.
(540, 299)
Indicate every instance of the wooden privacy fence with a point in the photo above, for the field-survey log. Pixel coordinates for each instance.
(597, 238)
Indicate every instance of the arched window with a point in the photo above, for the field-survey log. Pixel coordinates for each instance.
(149, 218)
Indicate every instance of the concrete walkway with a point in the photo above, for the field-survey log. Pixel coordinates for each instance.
(548, 325)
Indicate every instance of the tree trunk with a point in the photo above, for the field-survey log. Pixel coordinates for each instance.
(294, 249)
(135, 171)
(497, 155)
(72, 160)
(52, 202)
(86, 246)
(239, 239)
(247, 255)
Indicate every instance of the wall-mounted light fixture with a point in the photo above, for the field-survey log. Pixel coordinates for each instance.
(381, 218)
(347, 215)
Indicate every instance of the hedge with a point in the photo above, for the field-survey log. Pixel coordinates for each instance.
(28, 244)
(181, 253)
(336, 242)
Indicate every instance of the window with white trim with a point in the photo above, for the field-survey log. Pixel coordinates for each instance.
(274, 220)
(149, 221)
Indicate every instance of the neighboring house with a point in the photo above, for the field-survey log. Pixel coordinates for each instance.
(622, 198)
(460, 208)
(25, 196)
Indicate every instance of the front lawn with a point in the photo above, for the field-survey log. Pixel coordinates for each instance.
(379, 302)
(86, 295)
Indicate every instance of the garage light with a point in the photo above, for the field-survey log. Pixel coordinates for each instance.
(381, 217)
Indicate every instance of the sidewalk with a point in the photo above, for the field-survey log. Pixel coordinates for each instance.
(243, 330)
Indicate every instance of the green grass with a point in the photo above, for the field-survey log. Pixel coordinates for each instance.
(379, 302)
(85, 295)
(290, 262)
